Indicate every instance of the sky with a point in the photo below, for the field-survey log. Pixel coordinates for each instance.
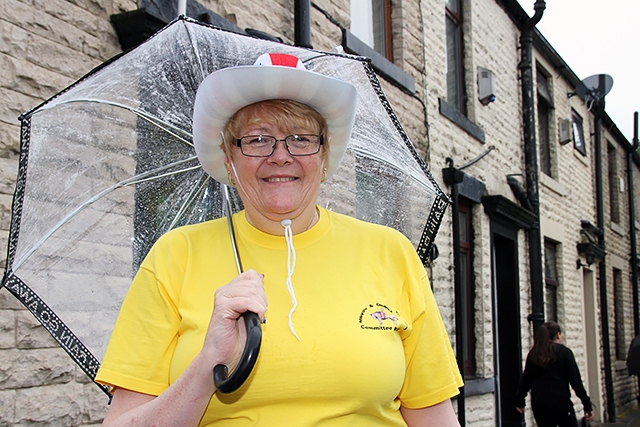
(599, 37)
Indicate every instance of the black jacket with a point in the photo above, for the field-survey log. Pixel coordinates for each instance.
(550, 386)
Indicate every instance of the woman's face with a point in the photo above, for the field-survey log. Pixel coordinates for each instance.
(280, 186)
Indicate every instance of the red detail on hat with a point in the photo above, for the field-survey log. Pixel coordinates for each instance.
(284, 60)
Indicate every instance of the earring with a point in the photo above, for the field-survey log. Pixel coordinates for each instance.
(324, 174)
(231, 180)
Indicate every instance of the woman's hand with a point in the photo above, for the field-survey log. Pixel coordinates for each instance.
(588, 415)
(521, 410)
(226, 335)
(184, 402)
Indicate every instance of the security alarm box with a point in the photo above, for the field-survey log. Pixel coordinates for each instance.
(486, 86)
(564, 130)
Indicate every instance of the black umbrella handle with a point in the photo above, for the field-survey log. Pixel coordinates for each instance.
(248, 359)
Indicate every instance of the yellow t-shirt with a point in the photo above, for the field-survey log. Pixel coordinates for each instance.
(371, 335)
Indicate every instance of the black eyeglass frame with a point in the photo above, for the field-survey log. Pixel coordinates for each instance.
(238, 143)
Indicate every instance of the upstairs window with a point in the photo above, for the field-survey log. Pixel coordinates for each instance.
(454, 66)
(614, 190)
(578, 133)
(545, 110)
(371, 23)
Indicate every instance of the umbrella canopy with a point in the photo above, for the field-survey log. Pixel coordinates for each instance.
(108, 165)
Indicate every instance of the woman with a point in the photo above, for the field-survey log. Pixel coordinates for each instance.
(549, 370)
(325, 358)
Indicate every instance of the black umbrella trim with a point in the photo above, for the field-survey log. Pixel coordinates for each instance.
(442, 201)
(56, 327)
(40, 310)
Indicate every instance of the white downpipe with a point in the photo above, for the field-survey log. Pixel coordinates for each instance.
(182, 7)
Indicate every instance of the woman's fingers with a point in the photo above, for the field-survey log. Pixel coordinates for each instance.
(243, 293)
(226, 335)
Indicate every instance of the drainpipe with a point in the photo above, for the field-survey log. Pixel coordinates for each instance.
(302, 23)
(602, 267)
(531, 164)
(632, 226)
(632, 231)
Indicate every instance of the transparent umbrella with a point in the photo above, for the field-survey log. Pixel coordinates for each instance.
(108, 165)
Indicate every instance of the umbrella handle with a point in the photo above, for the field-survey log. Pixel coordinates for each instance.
(248, 359)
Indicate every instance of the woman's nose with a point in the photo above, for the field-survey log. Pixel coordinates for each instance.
(280, 153)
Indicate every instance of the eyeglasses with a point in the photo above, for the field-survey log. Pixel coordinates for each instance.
(265, 145)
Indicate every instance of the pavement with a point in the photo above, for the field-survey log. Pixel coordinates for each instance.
(627, 419)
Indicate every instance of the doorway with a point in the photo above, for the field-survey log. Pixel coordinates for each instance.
(506, 308)
(592, 372)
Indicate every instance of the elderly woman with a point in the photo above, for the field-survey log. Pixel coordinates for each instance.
(354, 334)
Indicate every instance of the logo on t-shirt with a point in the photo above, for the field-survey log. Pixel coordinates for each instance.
(378, 316)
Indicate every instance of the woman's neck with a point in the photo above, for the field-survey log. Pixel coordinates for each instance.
(273, 225)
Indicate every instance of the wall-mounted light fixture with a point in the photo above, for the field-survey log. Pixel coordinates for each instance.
(588, 245)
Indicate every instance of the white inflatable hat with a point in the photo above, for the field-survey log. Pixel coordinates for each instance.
(273, 76)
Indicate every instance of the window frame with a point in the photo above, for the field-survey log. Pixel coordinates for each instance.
(577, 127)
(551, 281)
(379, 16)
(465, 213)
(455, 19)
(545, 114)
(613, 183)
(618, 315)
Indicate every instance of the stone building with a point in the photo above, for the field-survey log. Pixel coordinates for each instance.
(539, 180)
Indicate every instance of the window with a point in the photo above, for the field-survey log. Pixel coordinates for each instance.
(371, 23)
(614, 191)
(578, 133)
(618, 312)
(545, 109)
(454, 67)
(551, 280)
(466, 272)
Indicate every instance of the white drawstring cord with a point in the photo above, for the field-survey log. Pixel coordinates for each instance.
(291, 265)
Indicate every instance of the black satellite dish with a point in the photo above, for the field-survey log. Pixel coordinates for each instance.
(594, 88)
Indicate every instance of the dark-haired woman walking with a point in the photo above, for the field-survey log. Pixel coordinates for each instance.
(548, 372)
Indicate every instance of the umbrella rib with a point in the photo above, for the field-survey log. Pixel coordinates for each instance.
(189, 201)
(195, 52)
(167, 127)
(146, 176)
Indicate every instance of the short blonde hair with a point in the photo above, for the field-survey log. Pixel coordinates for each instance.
(283, 113)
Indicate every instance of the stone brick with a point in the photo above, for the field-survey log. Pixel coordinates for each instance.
(14, 40)
(7, 329)
(7, 300)
(8, 173)
(57, 406)
(33, 368)
(7, 407)
(31, 334)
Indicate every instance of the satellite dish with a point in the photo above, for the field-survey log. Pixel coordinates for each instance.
(595, 88)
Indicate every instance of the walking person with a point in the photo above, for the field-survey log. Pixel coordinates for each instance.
(549, 370)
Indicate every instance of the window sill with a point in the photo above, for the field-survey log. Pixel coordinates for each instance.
(617, 228)
(552, 184)
(459, 119)
(387, 69)
(479, 386)
(580, 157)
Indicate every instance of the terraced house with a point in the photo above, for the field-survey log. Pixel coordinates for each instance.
(541, 225)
